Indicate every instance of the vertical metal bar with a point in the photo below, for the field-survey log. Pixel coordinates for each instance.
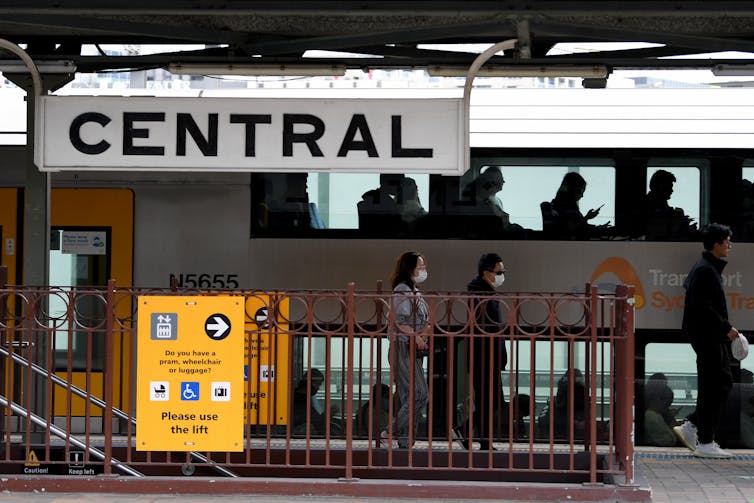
(628, 409)
(6, 365)
(107, 414)
(593, 307)
(470, 380)
(551, 399)
(349, 386)
(430, 384)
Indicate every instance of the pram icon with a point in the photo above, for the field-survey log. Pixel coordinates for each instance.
(159, 392)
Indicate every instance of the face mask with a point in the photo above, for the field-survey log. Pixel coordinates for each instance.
(499, 280)
(419, 278)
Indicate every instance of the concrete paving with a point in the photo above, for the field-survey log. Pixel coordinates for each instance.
(673, 475)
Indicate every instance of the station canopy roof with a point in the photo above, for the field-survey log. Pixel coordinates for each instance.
(379, 34)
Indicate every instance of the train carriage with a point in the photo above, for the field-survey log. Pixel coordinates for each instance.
(322, 230)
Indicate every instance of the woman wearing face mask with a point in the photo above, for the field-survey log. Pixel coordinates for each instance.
(409, 344)
(486, 341)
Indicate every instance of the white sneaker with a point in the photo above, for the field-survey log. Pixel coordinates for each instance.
(386, 442)
(686, 433)
(711, 450)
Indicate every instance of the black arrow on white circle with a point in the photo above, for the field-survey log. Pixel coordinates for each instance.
(261, 318)
(217, 326)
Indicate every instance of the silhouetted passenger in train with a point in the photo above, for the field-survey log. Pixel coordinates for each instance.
(483, 209)
(746, 416)
(658, 220)
(411, 210)
(379, 407)
(305, 397)
(559, 411)
(288, 204)
(743, 224)
(563, 219)
(659, 419)
(378, 209)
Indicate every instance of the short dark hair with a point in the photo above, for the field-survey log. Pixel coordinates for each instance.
(404, 268)
(487, 262)
(715, 233)
(661, 177)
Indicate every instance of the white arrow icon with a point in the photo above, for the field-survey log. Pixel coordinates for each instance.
(219, 327)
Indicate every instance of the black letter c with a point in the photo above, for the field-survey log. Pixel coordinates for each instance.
(74, 133)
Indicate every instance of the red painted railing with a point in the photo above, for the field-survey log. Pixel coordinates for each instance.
(564, 412)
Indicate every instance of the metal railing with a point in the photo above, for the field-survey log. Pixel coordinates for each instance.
(559, 410)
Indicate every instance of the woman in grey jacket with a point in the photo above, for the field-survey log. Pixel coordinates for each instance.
(408, 345)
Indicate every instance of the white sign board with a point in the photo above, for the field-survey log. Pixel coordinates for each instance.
(237, 134)
(84, 242)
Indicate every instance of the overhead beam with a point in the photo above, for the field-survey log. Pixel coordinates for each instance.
(339, 42)
(126, 28)
(584, 8)
(697, 42)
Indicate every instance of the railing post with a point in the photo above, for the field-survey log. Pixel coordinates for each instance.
(592, 424)
(5, 364)
(349, 383)
(107, 414)
(628, 377)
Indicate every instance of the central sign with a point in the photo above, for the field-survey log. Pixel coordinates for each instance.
(249, 134)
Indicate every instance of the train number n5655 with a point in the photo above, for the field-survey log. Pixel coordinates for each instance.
(204, 280)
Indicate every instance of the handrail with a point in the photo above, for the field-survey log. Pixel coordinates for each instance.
(61, 433)
(100, 403)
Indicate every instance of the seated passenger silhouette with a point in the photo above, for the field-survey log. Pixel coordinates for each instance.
(304, 397)
(746, 416)
(658, 219)
(743, 222)
(559, 409)
(567, 221)
(410, 207)
(379, 406)
(378, 209)
(482, 207)
(659, 419)
(288, 206)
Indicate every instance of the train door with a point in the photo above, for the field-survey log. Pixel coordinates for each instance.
(91, 241)
(8, 232)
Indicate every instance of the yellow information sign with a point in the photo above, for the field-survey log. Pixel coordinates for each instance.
(190, 360)
(266, 350)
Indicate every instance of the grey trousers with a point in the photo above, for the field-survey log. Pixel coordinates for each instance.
(403, 367)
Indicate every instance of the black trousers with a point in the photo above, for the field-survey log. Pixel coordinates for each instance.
(714, 383)
(485, 377)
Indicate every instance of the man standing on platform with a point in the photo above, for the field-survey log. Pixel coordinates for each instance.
(487, 353)
(705, 323)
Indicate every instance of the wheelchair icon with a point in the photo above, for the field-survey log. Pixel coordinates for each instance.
(190, 391)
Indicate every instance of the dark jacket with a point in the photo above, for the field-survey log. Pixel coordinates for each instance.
(489, 317)
(705, 312)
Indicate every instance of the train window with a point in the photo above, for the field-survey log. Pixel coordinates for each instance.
(743, 221)
(667, 395)
(670, 209)
(565, 198)
(514, 198)
(302, 202)
(667, 392)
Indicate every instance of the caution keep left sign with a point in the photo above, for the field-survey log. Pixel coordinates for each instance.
(190, 389)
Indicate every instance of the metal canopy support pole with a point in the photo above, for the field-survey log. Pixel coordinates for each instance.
(470, 75)
(37, 189)
(36, 225)
(36, 256)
